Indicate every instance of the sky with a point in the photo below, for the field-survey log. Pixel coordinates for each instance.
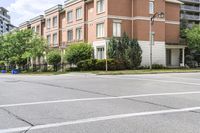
(23, 10)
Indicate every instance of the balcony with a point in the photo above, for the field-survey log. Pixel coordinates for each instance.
(6, 17)
(190, 8)
(191, 1)
(190, 17)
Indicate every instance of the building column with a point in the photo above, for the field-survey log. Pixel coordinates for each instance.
(183, 57)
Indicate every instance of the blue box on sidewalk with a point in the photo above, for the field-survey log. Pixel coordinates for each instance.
(3, 71)
(15, 71)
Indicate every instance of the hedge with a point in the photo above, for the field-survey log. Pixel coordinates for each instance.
(94, 64)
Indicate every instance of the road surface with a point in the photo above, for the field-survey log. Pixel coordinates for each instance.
(86, 103)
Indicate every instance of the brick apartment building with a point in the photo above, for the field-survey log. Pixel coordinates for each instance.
(95, 21)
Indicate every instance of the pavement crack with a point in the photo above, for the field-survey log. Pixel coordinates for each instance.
(17, 117)
(103, 94)
(69, 88)
(26, 131)
(152, 103)
(160, 105)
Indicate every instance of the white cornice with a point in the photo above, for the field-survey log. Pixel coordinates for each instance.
(174, 1)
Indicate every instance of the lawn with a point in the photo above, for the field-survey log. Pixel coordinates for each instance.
(121, 72)
(146, 71)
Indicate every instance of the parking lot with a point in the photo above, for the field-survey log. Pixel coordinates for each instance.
(87, 103)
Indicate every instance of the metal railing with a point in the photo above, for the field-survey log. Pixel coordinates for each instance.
(192, 17)
(191, 8)
(191, 1)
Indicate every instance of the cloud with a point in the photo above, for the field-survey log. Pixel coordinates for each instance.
(23, 10)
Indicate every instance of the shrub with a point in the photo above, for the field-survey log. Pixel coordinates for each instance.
(78, 52)
(158, 66)
(94, 64)
(2, 63)
(54, 57)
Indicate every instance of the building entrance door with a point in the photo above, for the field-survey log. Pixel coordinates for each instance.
(168, 57)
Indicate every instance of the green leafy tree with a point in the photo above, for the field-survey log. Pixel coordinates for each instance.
(16, 47)
(36, 48)
(78, 52)
(193, 37)
(54, 57)
(183, 28)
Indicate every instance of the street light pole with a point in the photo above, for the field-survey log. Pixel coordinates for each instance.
(150, 38)
(152, 19)
(106, 49)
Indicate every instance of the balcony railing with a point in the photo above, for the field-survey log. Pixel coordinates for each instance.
(191, 17)
(191, 8)
(191, 1)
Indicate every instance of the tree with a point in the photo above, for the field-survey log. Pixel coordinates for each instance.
(53, 57)
(135, 54)
(126, 51)
(78, 52)
(193, 37)
(183, 28)
(117, 48)
(36, 47)
(16, 47)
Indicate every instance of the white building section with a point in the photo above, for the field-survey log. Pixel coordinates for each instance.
(158, 53)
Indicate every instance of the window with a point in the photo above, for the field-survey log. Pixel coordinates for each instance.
(49, 40)
(70, 35)
(69, 16)
(55, 21)
(33, 29)
(151, 7)
(55, 41)
(100, 6)
(38, 29)
(48, 23)
(100, 53)
(117, 29)
(100, 30)
(78, 34)
(79, 13)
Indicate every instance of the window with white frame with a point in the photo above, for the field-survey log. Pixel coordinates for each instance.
(100, 6)
(78, 33)
(151, 7)
(79, 13)
(70, 35)
(55, 21)
(48, 23)
(100, 30)
(69, 16)
(100, 53)
(55, 39)
(117, 29)
(49, 40)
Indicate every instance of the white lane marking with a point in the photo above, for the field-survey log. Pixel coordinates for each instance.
(99, 98)
(97, 119)
(155, 80)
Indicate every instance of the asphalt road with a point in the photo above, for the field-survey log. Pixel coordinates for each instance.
(85, 103)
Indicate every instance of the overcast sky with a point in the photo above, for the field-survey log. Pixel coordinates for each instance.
(23, 10)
